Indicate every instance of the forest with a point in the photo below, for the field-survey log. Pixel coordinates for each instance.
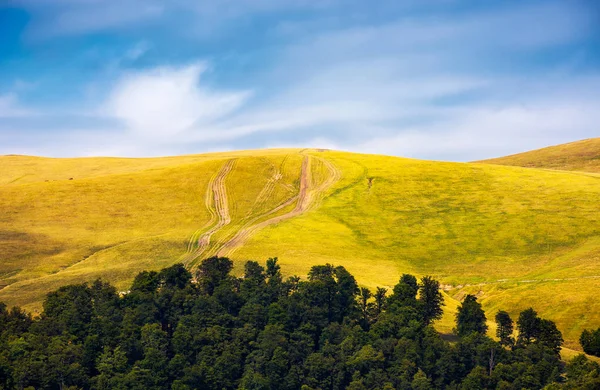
(213, 330)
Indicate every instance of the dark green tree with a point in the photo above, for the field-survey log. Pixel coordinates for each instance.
(478, 378)
(175, 276)
(470, 317)
(273, 269)
(528, 326)
(366, 307)
(14, 321)
(504, 328)
(590, 341)
(430, 299)
(380, 300)
(253, 286)
(347, 292)
(146, 282)
(405, 292)
(70, 309)
(335, 288)
(212, 272)
(549, 335)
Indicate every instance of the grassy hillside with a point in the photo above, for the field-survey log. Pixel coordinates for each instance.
(575, 156)
(516, 237)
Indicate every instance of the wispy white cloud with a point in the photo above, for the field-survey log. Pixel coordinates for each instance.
(167, 101)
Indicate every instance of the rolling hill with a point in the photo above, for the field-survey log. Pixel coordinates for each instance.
(516, 237)
(575, 156)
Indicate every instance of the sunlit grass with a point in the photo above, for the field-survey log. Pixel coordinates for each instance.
(115, 225)
(463, 223)
(575, 156)
(478, 228)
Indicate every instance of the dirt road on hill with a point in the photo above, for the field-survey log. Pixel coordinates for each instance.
(307, 198)
(217, 204)
(254, 214)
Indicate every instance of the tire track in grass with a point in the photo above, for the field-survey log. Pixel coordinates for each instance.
(269, 187)
(308, 198)
(217, 203)
(208, 203)
(334, 176)
(259, 203)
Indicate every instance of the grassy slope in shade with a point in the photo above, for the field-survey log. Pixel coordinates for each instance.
(575, 156)
(516, 237)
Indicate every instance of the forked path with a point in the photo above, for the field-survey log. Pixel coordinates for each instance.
(308, 198)
(217, 204)
(254, 213)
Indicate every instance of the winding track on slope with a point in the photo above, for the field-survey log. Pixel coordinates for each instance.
(307, 199)
(217, 204)
(269, 187)
(259, 203)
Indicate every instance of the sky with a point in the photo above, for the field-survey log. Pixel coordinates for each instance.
(430, 79)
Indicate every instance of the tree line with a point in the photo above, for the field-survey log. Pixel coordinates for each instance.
(212, 330)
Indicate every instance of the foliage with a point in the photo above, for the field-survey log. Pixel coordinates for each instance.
(262, 331)
(581, 374)
(590, 341)
(470, 317)
(533, 329)
(431, 300)
(504, 328)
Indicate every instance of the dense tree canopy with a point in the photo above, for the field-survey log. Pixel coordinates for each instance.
(260, 331)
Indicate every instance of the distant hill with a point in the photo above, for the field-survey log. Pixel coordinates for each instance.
(515, 237)
(575, 156)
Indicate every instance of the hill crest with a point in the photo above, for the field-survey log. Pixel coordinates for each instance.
(581, 156)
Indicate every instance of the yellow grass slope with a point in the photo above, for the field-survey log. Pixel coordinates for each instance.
(575, 156)
(516, 237)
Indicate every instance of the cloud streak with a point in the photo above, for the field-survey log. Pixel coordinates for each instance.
(166, 101)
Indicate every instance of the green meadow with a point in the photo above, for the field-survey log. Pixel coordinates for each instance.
(516, 237)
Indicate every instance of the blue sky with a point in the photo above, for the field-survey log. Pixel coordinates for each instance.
(439, 79)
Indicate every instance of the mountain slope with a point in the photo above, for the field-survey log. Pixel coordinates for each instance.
(575, 156)
(516, 237)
